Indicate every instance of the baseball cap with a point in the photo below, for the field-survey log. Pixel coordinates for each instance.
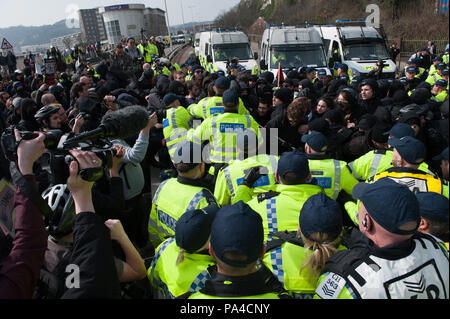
(310, 69)
(222, 83)
(441, 66)
(237, 228)
(400, 130)
(230, 98)
(441, 83)
(389, 203)
(411, 69)
(196, 68)
(316, 140)
(344, 78)
(189, 154)
(193, 228)
(169, 98)
(409, 148)
(294, 162)
(433, 206)
(443, 155)
(445, 72)
(438, 58)
(321, 73)
(320, 214)
(343, 66)
(403, 81)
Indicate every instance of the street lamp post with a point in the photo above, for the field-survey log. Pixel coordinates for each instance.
(168, 26)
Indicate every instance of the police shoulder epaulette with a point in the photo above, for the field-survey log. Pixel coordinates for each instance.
(263, 196)
(380, 152)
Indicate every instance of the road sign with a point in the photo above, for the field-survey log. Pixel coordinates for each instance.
(6, 45)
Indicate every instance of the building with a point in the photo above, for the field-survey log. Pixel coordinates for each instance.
(132, 20)
(154, 22)
(92, 26)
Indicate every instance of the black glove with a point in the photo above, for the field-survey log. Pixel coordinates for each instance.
(253, 175)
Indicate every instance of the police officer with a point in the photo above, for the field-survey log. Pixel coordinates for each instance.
(221, 130)
(190, 190)
(231, 175)
(437, 75)
(434, 215)
(390, 259)
(175, 124)
(210, 106)
(411, 77)
(279, 208)
(408, 154)
(296, 258)
(237, 242)
(181, 263)
(380, 159)
(332, 175)
(439, 91)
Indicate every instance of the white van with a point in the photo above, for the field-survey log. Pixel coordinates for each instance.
(292, 47)
(360, 47)
(218, 47)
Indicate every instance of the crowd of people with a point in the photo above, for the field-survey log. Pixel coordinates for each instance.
(306, 186)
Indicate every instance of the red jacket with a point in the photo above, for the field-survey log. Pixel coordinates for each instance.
(20, 270)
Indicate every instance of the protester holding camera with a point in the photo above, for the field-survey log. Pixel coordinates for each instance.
(20, 269)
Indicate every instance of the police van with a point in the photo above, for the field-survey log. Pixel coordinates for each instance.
(292, 46)
(218, 47)
(197, 44)
(358, 46)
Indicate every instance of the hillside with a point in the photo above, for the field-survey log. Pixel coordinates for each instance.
(20, 36)
(409, 19)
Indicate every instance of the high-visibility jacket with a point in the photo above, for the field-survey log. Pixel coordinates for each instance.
(286, 263)
(432, 78)
(432, 70)
(221, 131)
(280, 209)
(332, 175)
(210, 106)
(172, 280)
(374, 162)
(413, 269)
(440, 97)
(445, 58)
(172, 199)
(415, 180)
(233, 174)
(175, 127)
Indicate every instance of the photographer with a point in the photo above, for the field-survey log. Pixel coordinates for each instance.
(92, 250)
(377, 72)
(20, 269)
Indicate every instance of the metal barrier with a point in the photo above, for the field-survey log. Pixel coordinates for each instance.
(409, 47)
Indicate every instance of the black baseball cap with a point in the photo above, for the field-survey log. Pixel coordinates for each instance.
(389, 203)
(316, 140)
(237, 228)
(433, 206)
(294, 162)
(410, 149)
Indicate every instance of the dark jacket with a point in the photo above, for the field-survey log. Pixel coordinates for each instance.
(93, 254)
(20, 270)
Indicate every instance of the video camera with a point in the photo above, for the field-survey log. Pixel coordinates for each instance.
(58, 159)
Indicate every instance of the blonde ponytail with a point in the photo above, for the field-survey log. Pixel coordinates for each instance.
(322, 250)
(180, 257)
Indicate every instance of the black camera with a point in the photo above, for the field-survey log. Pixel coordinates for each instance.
(57, 157)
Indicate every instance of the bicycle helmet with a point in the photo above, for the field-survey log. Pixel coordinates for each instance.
(60, 201)
(45, 112)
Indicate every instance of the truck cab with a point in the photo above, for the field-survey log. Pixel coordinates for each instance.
(360, 47)
(217, 48)
(292, 47)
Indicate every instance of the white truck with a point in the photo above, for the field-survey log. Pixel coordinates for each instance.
(218, 47)
(292, 47)
(358, 46)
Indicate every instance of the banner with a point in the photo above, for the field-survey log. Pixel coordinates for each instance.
(7, 211)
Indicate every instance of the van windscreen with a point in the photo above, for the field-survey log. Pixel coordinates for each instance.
(365, 51)
(297, 56)
(224, 52)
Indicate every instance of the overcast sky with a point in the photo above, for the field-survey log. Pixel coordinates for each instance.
(40, 12)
